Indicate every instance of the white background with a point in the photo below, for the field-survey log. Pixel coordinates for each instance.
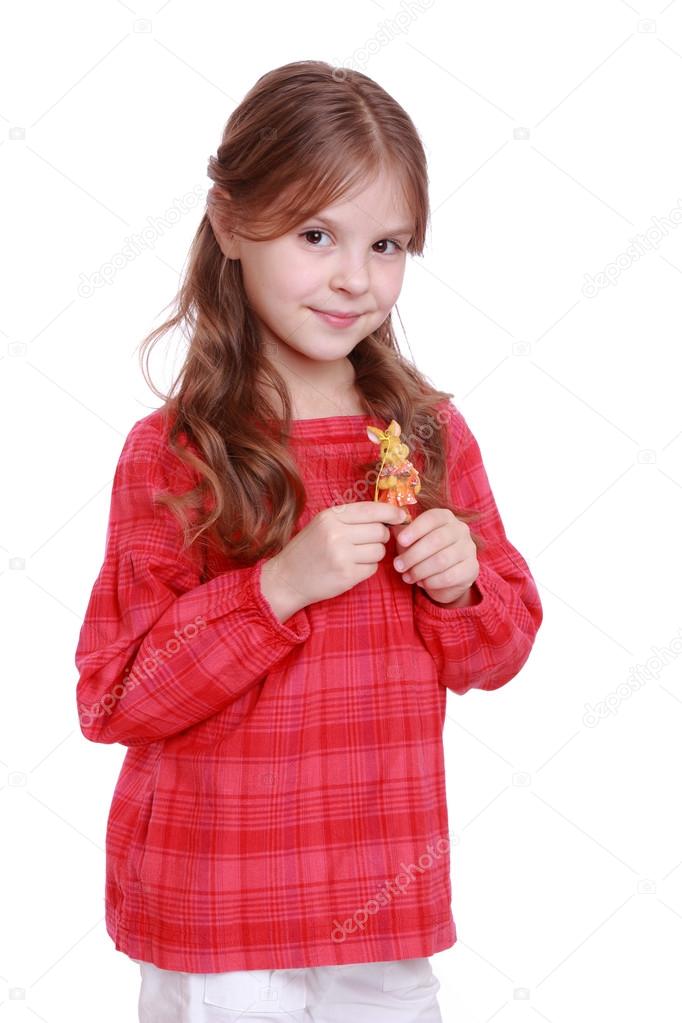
(553, 137)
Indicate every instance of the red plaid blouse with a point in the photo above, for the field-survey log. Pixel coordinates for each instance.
(282, 803)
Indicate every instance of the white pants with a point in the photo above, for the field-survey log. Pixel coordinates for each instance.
(397, 991)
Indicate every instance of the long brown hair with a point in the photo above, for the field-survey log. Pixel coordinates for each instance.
(304, 136)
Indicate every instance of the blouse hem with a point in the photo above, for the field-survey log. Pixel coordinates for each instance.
(143, 948)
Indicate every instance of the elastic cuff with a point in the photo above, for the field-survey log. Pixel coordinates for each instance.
(298, 627)
(485, 608)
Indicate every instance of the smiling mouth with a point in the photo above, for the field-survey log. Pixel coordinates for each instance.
(337, 316)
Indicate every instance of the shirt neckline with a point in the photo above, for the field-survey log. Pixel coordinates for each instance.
(327, 429)
(302, 423)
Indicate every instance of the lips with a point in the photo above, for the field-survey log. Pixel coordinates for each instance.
(339, 315)
(335, 321)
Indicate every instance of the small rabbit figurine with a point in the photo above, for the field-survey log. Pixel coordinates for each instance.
(398, 480)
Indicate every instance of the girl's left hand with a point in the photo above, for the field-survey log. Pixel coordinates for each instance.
(440, 555)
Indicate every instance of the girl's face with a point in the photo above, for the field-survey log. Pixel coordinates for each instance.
(350, 258)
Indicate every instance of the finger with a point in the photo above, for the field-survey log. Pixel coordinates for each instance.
(418, 550)
(453, 576)
(404, 516)
(425, 523)
(369, 532)
(368, 553)
(443, 581)
(397, 530)
(400, 530)
(370, 511)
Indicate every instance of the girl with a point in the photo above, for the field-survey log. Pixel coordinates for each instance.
(270, 644)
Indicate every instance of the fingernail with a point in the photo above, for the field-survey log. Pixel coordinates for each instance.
(400, 565)
(405, 537)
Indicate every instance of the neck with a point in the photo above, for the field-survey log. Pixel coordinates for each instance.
(321, 389)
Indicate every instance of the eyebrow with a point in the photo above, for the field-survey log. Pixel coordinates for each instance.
(405, 231)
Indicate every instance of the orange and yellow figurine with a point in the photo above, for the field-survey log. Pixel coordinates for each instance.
(398, 481)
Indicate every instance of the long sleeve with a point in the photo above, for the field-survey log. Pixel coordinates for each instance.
(485, 644)
(159, 650)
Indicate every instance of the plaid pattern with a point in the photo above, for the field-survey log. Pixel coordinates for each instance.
(282, 802)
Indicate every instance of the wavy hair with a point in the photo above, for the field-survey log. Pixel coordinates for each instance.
(304, 136)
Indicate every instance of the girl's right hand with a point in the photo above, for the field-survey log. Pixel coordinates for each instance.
(340, 547)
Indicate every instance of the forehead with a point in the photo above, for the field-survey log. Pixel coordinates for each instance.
(380, 203)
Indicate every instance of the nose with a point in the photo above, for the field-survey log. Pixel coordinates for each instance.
(351, 274)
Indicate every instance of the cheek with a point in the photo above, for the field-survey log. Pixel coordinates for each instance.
(265, 286)
(387, 286)
(292, 278)
(257, 272)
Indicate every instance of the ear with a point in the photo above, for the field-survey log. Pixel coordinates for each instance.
(227, 241)
(375, 434)
(393, 428)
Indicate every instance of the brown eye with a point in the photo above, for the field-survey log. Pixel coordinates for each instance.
(390, 242)
(318, 232)
(313, 231)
